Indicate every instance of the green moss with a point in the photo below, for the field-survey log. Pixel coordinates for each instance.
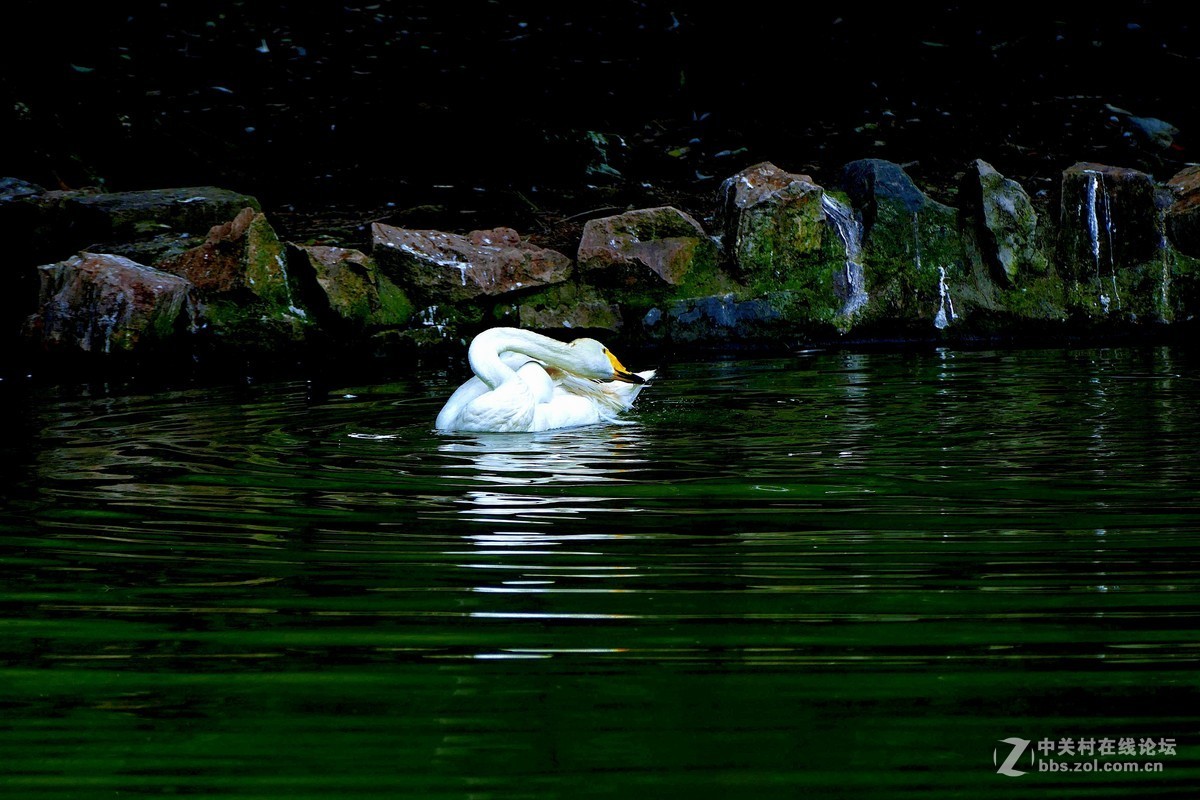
(1038, 298)
(774, 236)
(904, 255)
(807, 283)
(255, 326)
(704, 277)
(266, 273)
(1183, 289)
(394, 306)
(1150, 291)
(165, 322)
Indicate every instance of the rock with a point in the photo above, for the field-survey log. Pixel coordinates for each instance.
(871, 182)
(1183, 214)
(242, 291)
(139, 215)
(1006, 224)
(242, 256)
(647, 246)
(99, 303)
(1149, 132)
(34, 231)
(1109, 231)
(788, 235)
(158, 249)
(568, 305)
(353, 288)
(1182, 223)
(771, 219)
(1108, 216)
(912, 252)
(449, 267)
(13, 188)
(36, 227)
(715, 318)
(446, 322)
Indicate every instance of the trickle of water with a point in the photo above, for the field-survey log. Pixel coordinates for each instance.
(849, 229)
(1165, 282)
(945, 313)
(1096, 190)
(916, 241)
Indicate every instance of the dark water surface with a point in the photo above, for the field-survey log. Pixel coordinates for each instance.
(831, 575)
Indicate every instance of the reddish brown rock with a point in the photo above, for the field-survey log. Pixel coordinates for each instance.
(450, 267)
(243, 256)
(99, 303)
(772, 219)
(650, 245)
(1183, 215)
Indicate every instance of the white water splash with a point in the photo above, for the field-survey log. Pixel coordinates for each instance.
(428, 318)
(850, 230)
(945, 313)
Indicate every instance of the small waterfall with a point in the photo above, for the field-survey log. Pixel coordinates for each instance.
(945, 314)
(1164, 285)
(850, 230)
(1098, 203)
(287, 287)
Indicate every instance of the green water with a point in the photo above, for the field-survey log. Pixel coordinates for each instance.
(829, 575)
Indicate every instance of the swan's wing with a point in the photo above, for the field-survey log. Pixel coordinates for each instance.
(474, 388)
(474, 406)
(566, 410)
(540, 384)
(447, 418)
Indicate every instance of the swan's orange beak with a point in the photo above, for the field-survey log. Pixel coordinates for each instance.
(620, 373)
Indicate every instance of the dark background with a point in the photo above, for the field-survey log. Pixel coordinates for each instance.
(494, 113)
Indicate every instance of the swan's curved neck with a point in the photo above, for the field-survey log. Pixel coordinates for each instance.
(486, 348)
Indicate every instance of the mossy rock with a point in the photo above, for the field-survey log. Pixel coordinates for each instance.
(236, 326)
(645, 246)
(1006, 223)
(567, 305)
(913, 250)
(351, 288)
(772, 221)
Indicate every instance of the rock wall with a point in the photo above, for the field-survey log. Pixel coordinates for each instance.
(783, 259)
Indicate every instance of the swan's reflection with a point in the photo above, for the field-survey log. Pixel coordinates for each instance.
(517, 506)
(598, 454)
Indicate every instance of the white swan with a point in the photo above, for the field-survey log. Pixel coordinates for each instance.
(528, 382)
